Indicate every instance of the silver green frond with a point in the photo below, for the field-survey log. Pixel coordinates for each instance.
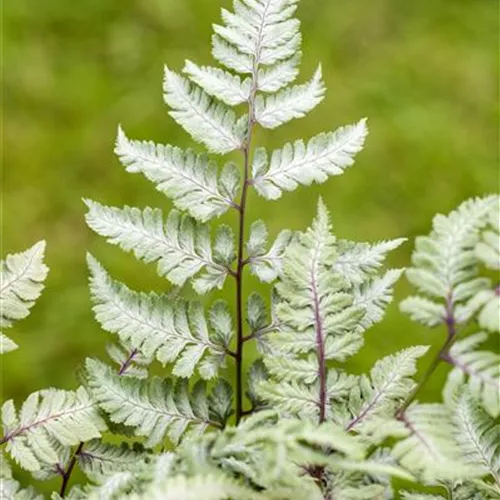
(48, 420)
(21, 283)
(191, 180)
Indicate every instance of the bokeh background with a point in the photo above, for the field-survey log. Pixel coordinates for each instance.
(424, 72)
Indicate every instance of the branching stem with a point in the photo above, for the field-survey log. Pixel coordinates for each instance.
(241, 244)
(241, 240)
(440, 356)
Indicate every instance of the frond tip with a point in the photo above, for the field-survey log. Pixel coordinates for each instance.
(21, 283)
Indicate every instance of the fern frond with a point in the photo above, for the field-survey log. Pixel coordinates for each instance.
(313, 311)
(181, 247)
(207, 121)
(389, 384)
(6, 344)
(173, 330)
(293, 102)
(300, 164)
(154, 407)
(278, 76)
(314, 301)
(48, 419)
(320, 316)
(264, 264)
(374, 296)
(98, 459)
(21, 283)
(488, 248)
(110, 488)
(423, 310)
(10, 489)
(190, 180)
(260, 32)
(480, 370)
(430, 449)
(357, 261)
(220, 84)
(444, 262)
(477, 436)
(209, 487)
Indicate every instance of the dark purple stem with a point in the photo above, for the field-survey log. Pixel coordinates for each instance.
(67, 473)
(451, 328)
(241, 339)
(126, 364)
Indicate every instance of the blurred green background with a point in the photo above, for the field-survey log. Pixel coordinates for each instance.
(424, 72)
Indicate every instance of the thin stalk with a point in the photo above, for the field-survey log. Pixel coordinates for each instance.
(241, 339)
(442, 354)
(67, 473)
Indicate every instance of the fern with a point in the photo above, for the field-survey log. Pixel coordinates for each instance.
(477, 435)
(99, 459)
(321, 317)
(21, 283)
(207, 121)
(190, 180)
(445, 264)
(388, 385)
(479, 369)
(181, 247)
(155, 407)
(48, 420)
(430, 449)
(173, 330)
(300, 164)
(308, 429)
